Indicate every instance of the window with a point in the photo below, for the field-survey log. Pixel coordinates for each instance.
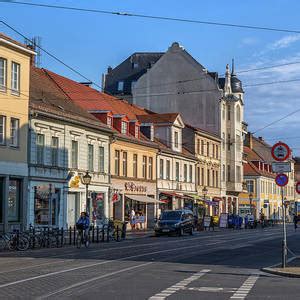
(133, 84)
(101, 160)
(208, 177)
(213, 150)
(117, 162)
(124, 164)
(238, 113)
(228, 113)
(135, 65)
(3, 71)
(198, 176)
(176, 139)
(15, 77)
(74, 154)
(135, 158)
(223, 172)
(238, 143)
(213, 177)
(202, 147)
(161, 169)
(217, 179)
(202, 176)
(14, 193)
(185, 173)
(191, 173)
(90, 157)
(228, 173)
(40, 143)
(250, 186)
(198, 147)
(168, 170)
(228, 142)
(124, 127)
(109, 121)
(150, 168)
(238, 174)
(54, 151)
(223, 111)
(207, 149)
(136, 131)
(223, 141)
(120, 86)
(14, 132)
(177, 171)
(145, 167)
(2, 130)
(217, 151)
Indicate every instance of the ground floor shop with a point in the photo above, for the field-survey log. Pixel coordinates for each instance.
(13, 198)
(134, 202)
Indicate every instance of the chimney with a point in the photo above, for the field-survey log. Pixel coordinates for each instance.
(261, 138)
(249, 140)
(109, 69)
(87, 83)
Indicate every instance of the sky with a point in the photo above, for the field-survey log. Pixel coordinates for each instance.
(91, 42)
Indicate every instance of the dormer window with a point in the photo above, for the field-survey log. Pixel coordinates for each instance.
(136, 131)
(120, 86)
(124, 127)
(176, 139)
(135, 65)
(109, 122)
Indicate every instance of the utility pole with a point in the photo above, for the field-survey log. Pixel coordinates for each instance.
(284, 245)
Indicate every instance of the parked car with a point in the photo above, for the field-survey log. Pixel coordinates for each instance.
(175, 222)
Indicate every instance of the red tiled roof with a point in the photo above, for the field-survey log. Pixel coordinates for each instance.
(91, 99)
(251, 170)
(158, 118)
(252, 155)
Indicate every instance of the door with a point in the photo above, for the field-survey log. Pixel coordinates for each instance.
(72, 208)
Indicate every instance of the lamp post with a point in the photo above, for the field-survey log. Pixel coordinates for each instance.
(204, 191)
(86, 180)
(250, 199)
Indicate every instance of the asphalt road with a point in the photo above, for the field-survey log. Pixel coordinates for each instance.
(207, 265)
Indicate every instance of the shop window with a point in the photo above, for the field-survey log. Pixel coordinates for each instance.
(74, 154)
(14, 194)
(46, 205)
(54, 151)
(2, 130)
(135, 169)
(101, 160)
(40, 144)
(150, 168)
(144, 167)
(3, 73)
(124, 164)
(14, 132)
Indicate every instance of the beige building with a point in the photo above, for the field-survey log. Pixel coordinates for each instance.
(15, 61)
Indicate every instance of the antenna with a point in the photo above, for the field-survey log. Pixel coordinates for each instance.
(35, 44)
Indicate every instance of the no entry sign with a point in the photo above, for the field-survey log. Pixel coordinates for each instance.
(280, 151)
(281, 180)
(298, 187)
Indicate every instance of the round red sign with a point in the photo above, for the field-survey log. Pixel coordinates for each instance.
(281, 179)
(280, 151)
(298, 187)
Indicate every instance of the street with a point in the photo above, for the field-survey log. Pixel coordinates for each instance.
(208, 265)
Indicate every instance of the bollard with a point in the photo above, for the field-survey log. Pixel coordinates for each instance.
(33, 238)
(74, 235)
(93, 235)
(97, 231)
(70, 235)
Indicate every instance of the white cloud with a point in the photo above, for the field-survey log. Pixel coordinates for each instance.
(284, 42)
(249, 41)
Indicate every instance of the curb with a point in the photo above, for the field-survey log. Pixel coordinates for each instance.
(270, 270)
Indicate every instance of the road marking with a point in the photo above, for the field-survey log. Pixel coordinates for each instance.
(211, 289)
(246, 287)
(178, 286)
(94, 279)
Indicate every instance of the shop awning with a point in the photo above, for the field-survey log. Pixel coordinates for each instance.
(144, 199)
(172, 194)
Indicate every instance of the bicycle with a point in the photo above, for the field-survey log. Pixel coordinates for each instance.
(14, 241)
(114, 232)
(82, 239)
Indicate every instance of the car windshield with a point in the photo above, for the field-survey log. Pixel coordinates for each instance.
(170, 215)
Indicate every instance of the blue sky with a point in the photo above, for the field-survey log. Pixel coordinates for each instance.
(91, 42)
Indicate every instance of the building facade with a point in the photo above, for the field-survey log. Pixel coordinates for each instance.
(15, 59)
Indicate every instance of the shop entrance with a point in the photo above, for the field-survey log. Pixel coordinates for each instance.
(73, 208)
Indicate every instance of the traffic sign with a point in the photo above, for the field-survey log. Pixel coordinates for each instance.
(281, 167)
(280, 151)
(298, 187)
(281, 179)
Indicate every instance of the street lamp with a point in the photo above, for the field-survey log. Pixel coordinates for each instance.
(204, 191)
(86, 180)
(250, 199)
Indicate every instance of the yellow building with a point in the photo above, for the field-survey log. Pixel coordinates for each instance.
(15, 61)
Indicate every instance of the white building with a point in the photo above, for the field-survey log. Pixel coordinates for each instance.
(64, 142)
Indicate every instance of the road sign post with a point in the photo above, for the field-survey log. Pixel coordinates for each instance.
(281, 152)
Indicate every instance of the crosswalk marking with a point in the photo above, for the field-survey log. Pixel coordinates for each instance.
(246, 287)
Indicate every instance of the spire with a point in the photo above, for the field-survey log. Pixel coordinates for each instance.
(227, 85)
(232, 68)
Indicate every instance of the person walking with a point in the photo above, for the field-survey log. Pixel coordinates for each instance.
(132, 219)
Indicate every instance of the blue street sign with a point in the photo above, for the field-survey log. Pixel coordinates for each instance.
(281, 179)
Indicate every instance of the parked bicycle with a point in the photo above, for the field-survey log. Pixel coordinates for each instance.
(14, 241)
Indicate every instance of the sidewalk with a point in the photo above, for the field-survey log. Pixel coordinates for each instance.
(133, 234)
(292, 269)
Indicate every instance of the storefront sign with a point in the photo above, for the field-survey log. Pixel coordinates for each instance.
(132, 187)
(75, 181)
(223, 220)
(207, 221)
(115, 197)
(281, 167)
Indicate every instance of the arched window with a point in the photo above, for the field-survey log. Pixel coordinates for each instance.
(238, 113)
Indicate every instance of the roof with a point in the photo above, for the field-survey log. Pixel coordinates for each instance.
(236, 84)
(158, 118)
(262, 148)
(251, 154)
(91, 99)
(10, 40)
(45, 96)
(203, 131)
(251, 170)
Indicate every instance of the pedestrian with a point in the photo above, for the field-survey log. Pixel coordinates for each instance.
(132, 219)
(295, 219)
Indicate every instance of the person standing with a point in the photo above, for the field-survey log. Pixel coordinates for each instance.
(132, 219)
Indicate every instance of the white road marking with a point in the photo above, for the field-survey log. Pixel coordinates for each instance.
(212, 289)
(246, 287)
(180, 285)
(94, 279)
